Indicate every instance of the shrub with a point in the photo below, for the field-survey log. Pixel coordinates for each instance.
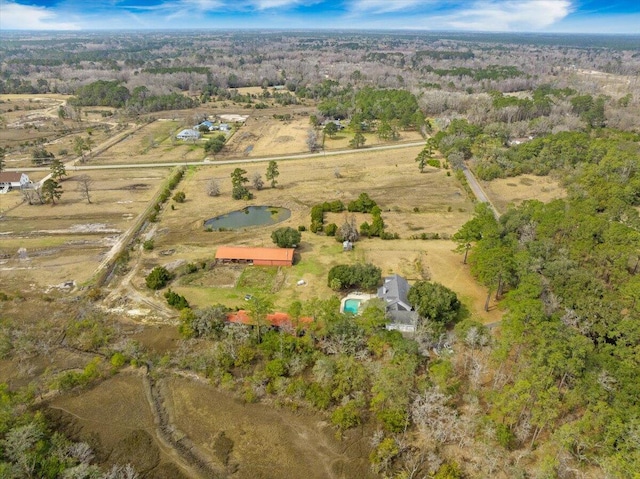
(158, 278)
(363, 204)
(318, 396)
(179, 197)
(434, 163)
(331, 229)
(302, 228)
(275, 368)
(192, 268)
(118, 360)
(286, 237)
(366, 276)
(148, 245)
(175, 300)
(346, 416)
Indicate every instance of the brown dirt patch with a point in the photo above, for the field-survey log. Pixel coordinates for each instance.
(506, 191)
(114, 418)
(158, 339)
(259, 441)
(67, 241)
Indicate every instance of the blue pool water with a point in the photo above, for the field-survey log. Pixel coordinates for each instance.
(351, 306)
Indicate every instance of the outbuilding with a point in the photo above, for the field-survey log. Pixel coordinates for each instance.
(255, 256)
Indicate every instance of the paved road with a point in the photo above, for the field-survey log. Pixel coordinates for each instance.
(71, 167)
(478, 191)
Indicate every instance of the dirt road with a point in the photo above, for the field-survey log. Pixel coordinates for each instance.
(478, 191)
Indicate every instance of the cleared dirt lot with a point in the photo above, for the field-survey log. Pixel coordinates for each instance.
(506, 191)
(66, 242)
(262, 441)
(115, 419)
(27, 121)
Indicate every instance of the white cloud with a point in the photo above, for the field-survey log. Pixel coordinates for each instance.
(512, 15)
(384, 6)
(282, 4)
(267, 4)
(203, 5)
(15, 16)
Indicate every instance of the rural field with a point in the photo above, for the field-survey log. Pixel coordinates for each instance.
(66, 242)
(412, 204)
(260, 440)
(123, 353)
(30, 120)
(513, 191)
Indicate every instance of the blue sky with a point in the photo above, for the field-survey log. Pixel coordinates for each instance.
(571, 16)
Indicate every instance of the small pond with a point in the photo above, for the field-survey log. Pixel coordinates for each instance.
(249, 216)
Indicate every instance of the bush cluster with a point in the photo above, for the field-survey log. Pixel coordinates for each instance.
(318, 211)
(176, 300)
(365, 276)
(158, 278)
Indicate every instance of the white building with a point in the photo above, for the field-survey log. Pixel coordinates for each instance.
(10, 180)
(188, 134)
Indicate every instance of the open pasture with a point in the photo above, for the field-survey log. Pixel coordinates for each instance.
(513, 191)
(153, 143)
(412, 204)
(263, 441)
(67, 241)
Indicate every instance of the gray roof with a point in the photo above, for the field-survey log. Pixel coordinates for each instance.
(394, 293)
(188, 133)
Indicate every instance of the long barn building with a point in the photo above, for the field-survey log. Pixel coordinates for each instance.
(255, 256)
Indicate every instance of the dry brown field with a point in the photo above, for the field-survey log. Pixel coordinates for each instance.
(341, 140)
(260, 440)
(264, 136)
(263, 441)
(152, 143)
(389, 177)
(66, 242)
(115, 419)
(29, 119)
(513, 191)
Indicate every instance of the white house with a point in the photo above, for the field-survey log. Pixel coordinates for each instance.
(188, 134)
(10, 180)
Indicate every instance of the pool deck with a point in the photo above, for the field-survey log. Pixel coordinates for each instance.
(363, 297)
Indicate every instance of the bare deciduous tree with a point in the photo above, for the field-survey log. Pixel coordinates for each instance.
(434, 417)
(257, 182)
(349, 230)
(312, 140)
(213, 187)
(85, 185)
(32, 196)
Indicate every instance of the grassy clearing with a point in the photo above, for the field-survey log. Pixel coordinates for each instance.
(412, 203)
(258, 279)
(506, 191)
(67, 241)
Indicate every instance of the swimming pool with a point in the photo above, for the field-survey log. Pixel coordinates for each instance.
(352, 306)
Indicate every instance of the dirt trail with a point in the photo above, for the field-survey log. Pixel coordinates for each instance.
(182, 449)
